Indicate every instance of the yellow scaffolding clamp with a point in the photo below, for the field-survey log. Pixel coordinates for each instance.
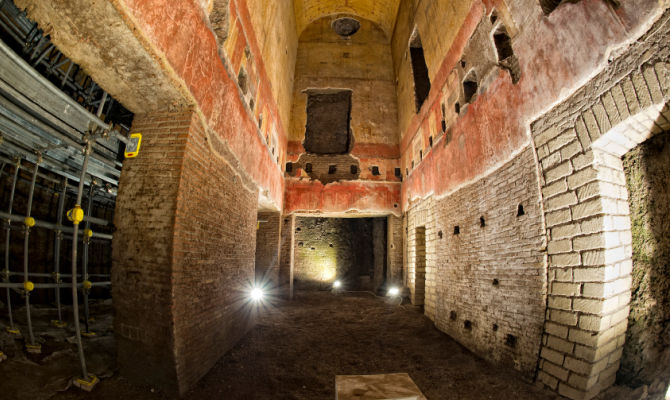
(76, 215)
(28, 286)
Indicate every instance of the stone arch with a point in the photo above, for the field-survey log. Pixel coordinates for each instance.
(579, 145)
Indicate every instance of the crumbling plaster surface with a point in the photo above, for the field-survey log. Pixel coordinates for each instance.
(187, 61)
(554, 59)
(348, 197)
(275, 29)
(97, 40)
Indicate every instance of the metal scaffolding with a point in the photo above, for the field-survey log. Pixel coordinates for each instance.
(51, 129)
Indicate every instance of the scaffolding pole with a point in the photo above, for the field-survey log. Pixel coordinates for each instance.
(86, 382)
(27, 285)
(12, 329)
(84, 256)
(57, 243)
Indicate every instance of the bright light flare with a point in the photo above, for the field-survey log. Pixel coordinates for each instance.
(257, 294)
(394, 291)
(337, 284)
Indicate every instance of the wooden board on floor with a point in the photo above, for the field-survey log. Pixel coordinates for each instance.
(376, 387)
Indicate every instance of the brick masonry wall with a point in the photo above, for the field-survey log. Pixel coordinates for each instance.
(486, 285)
(394, 250)
(267, 248)
(333, 248)
(285, 251)
(142, 250)
(183, 255)
(579, 145)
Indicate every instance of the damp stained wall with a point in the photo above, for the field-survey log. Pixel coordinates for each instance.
(646, 353)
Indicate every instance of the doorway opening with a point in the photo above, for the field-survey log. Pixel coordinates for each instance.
(420, 266)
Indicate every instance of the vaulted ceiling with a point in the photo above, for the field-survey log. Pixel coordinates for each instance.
(381, 12)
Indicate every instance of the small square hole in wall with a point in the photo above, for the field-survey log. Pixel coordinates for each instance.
(439, 234)
(495, 327)
(496, 282)
(430, 141)
(467, 324)
(308, 168)
(375, 171)
(332, 169)
(510, 340)
(457, 230)
(289, 167)
(398, 173)
(482, 222)
(353, 169)
(520, 211)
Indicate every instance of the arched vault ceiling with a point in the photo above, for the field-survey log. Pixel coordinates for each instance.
(381, 12)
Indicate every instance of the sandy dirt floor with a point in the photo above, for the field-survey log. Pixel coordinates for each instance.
(298, 347)
(294, 352)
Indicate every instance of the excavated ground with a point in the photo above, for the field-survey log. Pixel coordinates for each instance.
(294, 352)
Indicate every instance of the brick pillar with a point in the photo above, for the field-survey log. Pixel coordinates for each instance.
(183, 255)
(394, 246)
(267, 248)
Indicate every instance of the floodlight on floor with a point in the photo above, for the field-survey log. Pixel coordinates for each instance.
(337, 284)
(394, 291)
(257, 294)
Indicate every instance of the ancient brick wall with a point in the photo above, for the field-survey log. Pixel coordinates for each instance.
(187, 237)
(267, 248)
(142, 250)
(333, 248)
(579, 145)
(285, 251)
(485, 272)
(394, 246)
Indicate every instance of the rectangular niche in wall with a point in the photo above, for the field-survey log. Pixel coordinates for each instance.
(419, 70)
(328, 115)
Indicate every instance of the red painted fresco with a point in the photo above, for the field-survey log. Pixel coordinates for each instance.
(190, 49)
(497, 124)
(311, 196)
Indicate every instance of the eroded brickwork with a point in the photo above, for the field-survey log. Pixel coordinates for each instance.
(485, 271)
(183, 254)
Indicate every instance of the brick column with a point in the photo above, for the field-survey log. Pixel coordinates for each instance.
(267, 248)
(394, 246)
(183, 254)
